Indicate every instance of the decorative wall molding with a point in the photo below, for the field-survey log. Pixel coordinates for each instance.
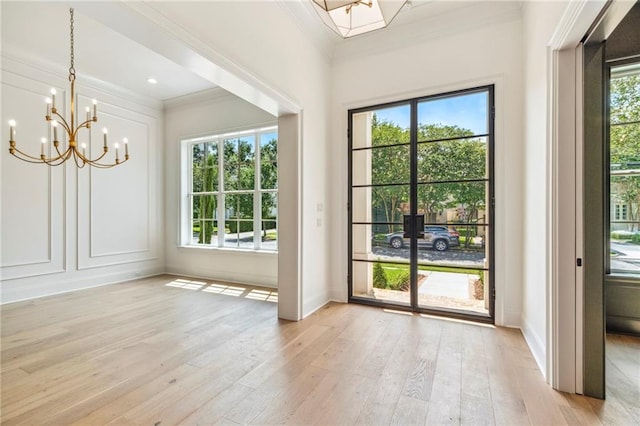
(22, 63)
(37, 221)
(71, 262)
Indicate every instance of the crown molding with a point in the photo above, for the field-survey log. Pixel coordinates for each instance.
(214, 95)
(433, 20)
(19, 62)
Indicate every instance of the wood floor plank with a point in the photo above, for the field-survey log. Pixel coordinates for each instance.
(476, 406)
(173, 350)
(444, 403)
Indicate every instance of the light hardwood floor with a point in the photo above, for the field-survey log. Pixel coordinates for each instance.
(164, 351)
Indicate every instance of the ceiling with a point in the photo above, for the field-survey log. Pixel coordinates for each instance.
(39, 31)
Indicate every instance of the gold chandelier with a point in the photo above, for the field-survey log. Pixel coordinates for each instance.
(57, 120)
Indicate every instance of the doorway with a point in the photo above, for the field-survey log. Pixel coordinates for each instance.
(421, 204)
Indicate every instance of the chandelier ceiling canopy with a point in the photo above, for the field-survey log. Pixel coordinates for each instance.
(350, 18)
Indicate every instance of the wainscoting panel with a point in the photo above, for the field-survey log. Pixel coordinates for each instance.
(33, 213)
(115, 214)
(64, 228)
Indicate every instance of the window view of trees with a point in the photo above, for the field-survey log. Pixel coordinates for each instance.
(450, 160)
(420, 211)
(624, 157)
(229, 197)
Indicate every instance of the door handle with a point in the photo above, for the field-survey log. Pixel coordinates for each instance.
(418, 223)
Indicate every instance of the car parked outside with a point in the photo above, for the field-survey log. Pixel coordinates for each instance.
(439, 238)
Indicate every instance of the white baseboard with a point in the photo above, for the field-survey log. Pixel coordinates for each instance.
(20, 290)
(536, 346)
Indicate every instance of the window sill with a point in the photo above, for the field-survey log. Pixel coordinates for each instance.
(228, 250)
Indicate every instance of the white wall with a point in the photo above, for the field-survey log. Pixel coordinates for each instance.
(468, 55)
(209, 113)
(263, 39)
(62, 228)
(540, 20)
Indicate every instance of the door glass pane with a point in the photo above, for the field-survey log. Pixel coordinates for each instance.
(624, 183)
(379, 127)
(383, 281)
(451, 288)
(460, 159)
(463, 203)
(380, 203)
(381, 165)
(452, 116)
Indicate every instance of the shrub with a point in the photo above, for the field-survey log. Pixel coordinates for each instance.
(622, 235)
(400, 281)
(466, 232)
(269, 223)
(379, 277)
(636, 238)
(245, 226)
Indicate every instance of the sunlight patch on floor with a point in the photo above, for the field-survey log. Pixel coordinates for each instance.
(187, 284)
(265, 295)
(228, 290)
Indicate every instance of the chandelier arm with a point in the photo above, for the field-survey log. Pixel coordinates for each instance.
(84, 124)
(104, 152)
(55, 162)
(60, 154)
(107, 166)
(76, 157)
(37, 159)
(63, 122)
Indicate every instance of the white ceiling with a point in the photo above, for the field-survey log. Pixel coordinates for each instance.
(39, 31)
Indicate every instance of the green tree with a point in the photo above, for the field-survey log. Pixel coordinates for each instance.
(268, 180)
(451, 160)
(205, 179)
(389, 165)
(239, 174)
(624, 143)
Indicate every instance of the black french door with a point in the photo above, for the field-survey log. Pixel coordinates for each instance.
(421, 204)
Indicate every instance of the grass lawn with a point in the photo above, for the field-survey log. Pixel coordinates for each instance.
(392, 270)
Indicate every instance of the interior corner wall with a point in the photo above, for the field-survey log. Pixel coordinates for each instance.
(490, 54)
(539, 23)
(264, 40)
(209, 116)
(65, 228)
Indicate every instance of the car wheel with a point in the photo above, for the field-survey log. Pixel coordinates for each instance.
(396, 242)
(441, 245)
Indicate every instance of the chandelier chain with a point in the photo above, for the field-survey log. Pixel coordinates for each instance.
(72, 70)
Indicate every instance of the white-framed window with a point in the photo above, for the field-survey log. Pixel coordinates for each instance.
(621, 212)
(230, 190)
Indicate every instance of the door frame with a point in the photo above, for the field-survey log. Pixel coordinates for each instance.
(568, 365)
(413, 184)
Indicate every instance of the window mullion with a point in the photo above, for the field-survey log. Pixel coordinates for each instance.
(257, 195)
(221, 198)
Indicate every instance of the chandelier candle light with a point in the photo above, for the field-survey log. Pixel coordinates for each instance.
(57, 120)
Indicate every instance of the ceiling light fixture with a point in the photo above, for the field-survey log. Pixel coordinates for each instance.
(152, 80)
(352, 17)
(57, 120)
